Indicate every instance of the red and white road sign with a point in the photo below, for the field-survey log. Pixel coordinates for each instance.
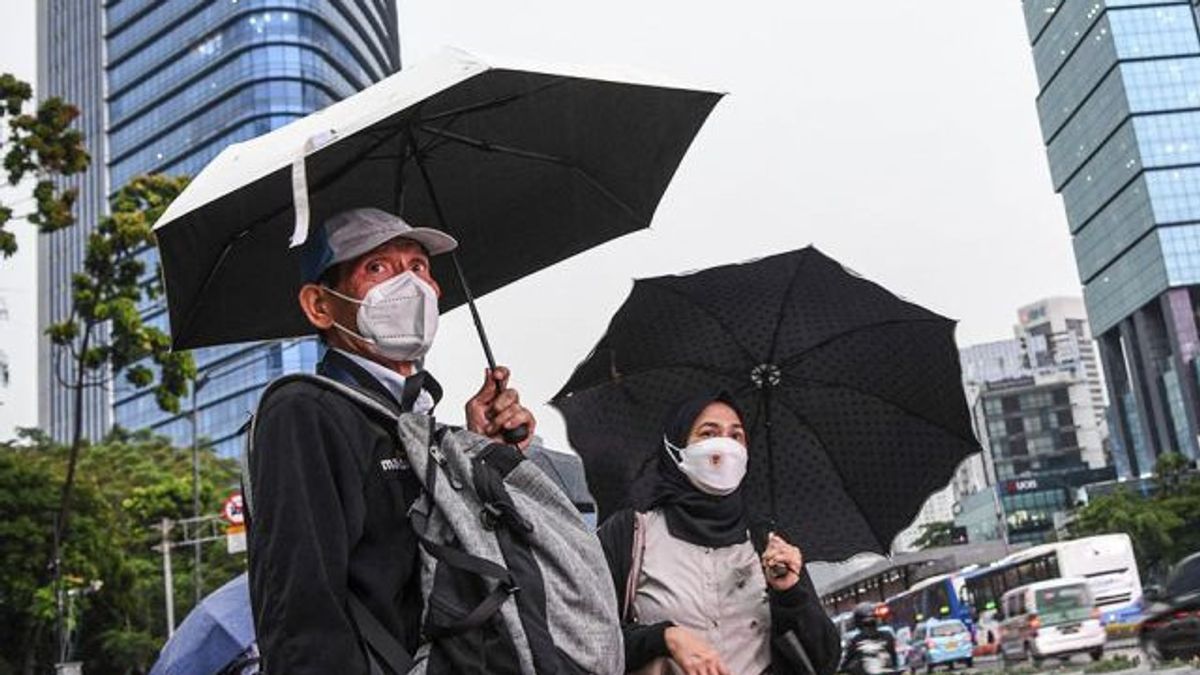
(232, 509)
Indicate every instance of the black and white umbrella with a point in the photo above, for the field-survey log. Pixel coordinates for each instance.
(525, 165)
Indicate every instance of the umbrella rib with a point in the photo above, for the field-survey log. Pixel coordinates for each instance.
(798, 356)
(496, 102)
(783, 305)
(488, 146)
(212, 274)
(804, 421)
(897, 406)
(732, 336)
(633, 373)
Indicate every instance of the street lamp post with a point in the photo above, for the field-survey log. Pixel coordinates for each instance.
(198, 383)
(168, 581)
(60, 629)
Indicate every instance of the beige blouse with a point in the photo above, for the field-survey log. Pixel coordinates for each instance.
(719, 593)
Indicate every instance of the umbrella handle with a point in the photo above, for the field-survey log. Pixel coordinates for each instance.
(776, 571)
(515, 436)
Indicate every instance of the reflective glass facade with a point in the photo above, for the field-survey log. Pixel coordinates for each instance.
(186, 79)
(1119, 104)
(70, 45)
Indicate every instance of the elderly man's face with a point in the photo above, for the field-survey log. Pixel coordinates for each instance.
(355, 277)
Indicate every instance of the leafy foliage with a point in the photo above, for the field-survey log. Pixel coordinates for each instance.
(127, 484)
(1161, 526)
(106, 294)
(109, 289)
(935, 534)
(41, 144)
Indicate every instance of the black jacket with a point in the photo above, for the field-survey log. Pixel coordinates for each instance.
(796, 609)
(328, 519)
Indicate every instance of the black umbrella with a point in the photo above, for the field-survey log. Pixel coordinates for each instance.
(524, 165)
(854, 398)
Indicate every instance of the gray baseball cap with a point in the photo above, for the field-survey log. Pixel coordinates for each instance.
(352, 233)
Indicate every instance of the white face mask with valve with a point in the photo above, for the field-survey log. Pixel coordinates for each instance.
(716, 466)
(397, 318)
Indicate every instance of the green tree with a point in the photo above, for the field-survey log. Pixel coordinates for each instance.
(935, 534)
(1148, 522)
(43, 145)
(127, 484)
(106, 294)
(1170, 471)
(1161, 525)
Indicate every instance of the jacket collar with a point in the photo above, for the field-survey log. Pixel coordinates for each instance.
(338, 367)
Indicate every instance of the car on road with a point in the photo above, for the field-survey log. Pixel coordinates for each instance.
(940, 643)
(1171, 628)
(1050, 619)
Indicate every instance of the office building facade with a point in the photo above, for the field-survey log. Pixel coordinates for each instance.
(70, 51)
(186, 79)
(1038, 408)
(1119, 105)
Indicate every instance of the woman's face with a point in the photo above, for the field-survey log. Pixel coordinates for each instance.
(717, 419)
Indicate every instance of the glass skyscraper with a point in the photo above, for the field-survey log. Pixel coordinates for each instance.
(184, 80)
(70, 51)
(1119, 104)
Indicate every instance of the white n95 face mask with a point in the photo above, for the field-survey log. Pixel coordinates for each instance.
(397, 318)
(716, 466)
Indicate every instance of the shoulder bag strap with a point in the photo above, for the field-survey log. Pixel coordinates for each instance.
(637, 555)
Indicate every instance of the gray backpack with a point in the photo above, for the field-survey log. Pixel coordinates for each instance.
(512, 579)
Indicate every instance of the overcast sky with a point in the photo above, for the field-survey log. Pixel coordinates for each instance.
(18, 275)
(899, 137)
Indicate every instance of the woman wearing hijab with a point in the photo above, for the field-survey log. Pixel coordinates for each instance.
(697, 596)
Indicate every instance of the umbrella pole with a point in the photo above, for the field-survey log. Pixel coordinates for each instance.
(462, 279)
(766, 398)
(510, 435)
(458, 268)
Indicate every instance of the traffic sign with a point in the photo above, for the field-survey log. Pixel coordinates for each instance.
(233, 510)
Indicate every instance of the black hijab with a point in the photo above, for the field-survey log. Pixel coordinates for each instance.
(691, 515)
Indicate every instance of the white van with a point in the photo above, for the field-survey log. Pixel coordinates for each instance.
(1049, 619)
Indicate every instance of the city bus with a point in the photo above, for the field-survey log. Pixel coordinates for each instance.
(1106, 561)
(939, 597)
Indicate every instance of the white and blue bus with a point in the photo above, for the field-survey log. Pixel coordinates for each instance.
(1106, 561)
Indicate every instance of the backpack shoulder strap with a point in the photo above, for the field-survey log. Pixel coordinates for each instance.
(355, 394)
(360, 398)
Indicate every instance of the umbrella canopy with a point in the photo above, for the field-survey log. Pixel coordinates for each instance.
(855, 407)
(529, 166)
(213, 635)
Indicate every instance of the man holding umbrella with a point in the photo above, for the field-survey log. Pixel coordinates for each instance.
(329, 525)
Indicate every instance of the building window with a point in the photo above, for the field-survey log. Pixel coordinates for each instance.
(1011, 404)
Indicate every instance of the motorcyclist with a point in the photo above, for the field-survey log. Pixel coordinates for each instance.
(871, 650)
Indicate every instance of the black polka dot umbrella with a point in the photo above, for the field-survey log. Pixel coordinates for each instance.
(855, 407)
